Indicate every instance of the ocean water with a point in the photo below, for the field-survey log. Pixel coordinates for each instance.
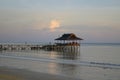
(92, 62)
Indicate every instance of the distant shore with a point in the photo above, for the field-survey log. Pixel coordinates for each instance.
(7, 73)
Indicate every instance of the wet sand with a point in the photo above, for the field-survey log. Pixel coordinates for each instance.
(22, 74)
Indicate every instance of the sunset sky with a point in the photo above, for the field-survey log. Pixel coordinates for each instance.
(45, 20)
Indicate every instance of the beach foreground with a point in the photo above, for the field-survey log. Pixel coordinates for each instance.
(22, 74)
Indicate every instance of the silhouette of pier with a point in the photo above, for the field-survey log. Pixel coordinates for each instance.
(66, 43)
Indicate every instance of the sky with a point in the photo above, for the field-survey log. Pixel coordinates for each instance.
(44, 20)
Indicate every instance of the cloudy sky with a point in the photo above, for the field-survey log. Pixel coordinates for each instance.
(45, 20)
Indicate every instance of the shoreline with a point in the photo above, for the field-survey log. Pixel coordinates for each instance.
(7, 73)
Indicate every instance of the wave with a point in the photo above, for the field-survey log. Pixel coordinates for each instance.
(71, 62)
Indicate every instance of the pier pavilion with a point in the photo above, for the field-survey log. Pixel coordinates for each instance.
(68, 42)
(68, 39)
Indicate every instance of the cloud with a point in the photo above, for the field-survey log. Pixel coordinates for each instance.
(54, 24)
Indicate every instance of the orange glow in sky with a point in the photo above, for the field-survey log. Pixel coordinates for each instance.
(54, 24)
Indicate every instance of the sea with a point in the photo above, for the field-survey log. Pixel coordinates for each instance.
(94, 61)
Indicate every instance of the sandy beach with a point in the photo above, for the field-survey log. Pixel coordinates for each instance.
(22, 74)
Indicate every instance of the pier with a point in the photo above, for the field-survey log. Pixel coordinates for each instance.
(68, 43)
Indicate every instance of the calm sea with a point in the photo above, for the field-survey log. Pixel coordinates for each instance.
(92, 62)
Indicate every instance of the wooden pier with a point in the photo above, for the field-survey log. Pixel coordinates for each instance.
(66, 43)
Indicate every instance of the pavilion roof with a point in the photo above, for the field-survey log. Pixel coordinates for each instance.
(70, 36)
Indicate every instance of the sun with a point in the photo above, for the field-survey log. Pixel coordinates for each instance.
(54, 24)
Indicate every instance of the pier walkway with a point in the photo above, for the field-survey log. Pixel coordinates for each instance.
(20, 47)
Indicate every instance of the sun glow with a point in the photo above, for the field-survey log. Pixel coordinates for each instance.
(54, 24)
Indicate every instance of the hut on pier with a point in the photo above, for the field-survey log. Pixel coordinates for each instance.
(69, 42)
